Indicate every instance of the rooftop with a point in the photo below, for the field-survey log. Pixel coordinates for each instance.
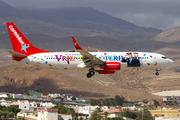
(114, 111)
(47, 110)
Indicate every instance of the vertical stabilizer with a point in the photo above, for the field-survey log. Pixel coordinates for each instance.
(19, 43)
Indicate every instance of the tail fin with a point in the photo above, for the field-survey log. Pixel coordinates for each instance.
(19, 43)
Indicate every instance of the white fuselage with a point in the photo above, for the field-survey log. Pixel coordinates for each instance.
(73, 60)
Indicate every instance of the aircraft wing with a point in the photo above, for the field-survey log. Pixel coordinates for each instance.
(88, 59)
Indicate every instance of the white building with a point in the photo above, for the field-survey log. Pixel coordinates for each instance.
(55, 95)
(69, 98)
(65, 116)
(29, 115)
(18, 95)
(129, 107)
(4, 94)
(81, 100)
(42, 114)
(47, 114)
(22, 104)
(165, 118)
(47, 104)
(86, 110)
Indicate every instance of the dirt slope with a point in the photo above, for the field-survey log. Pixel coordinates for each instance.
(171, 35)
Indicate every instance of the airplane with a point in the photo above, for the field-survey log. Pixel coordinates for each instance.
(100, 62)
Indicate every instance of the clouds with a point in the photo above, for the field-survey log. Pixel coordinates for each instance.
(147, 13)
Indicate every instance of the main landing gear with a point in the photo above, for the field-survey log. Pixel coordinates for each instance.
(157, 73)
(91, 73)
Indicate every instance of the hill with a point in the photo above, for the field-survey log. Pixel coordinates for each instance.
(88, 18)
(171, 35)
(50, 30)
(61, 44)
(29, 26)
(82, 20)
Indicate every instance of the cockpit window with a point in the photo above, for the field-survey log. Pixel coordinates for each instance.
(163, 57)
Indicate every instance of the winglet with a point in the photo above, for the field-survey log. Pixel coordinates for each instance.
(76, 44)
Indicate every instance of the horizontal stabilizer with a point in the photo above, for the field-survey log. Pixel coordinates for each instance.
(16, 54)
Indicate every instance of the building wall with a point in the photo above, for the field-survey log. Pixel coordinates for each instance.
(3, 95)
(47, 115)
(24, 106)
(42, 115)
(64, 117)
(112, 115)
(52, 115)
(169, 113)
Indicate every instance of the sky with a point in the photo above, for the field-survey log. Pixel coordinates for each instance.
(160, 14)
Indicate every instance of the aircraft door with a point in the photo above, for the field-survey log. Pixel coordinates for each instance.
(155, 61)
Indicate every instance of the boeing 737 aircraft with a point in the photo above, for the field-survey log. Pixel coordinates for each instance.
(100, 62)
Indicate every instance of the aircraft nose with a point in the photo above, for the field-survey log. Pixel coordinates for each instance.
(170, 61)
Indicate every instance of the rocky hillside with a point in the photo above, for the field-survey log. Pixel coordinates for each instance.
(171, 35)
(74, 21)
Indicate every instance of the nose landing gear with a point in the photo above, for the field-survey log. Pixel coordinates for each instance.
(91, 73)
(157, 73)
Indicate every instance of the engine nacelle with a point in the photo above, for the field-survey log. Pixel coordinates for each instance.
(112, 66)
(106, 72)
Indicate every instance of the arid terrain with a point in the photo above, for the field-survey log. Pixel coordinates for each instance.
(134, 84)
(52, 30)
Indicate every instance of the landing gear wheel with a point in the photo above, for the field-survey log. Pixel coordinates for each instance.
(88, 75)
(91, 73)
(157, 73)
